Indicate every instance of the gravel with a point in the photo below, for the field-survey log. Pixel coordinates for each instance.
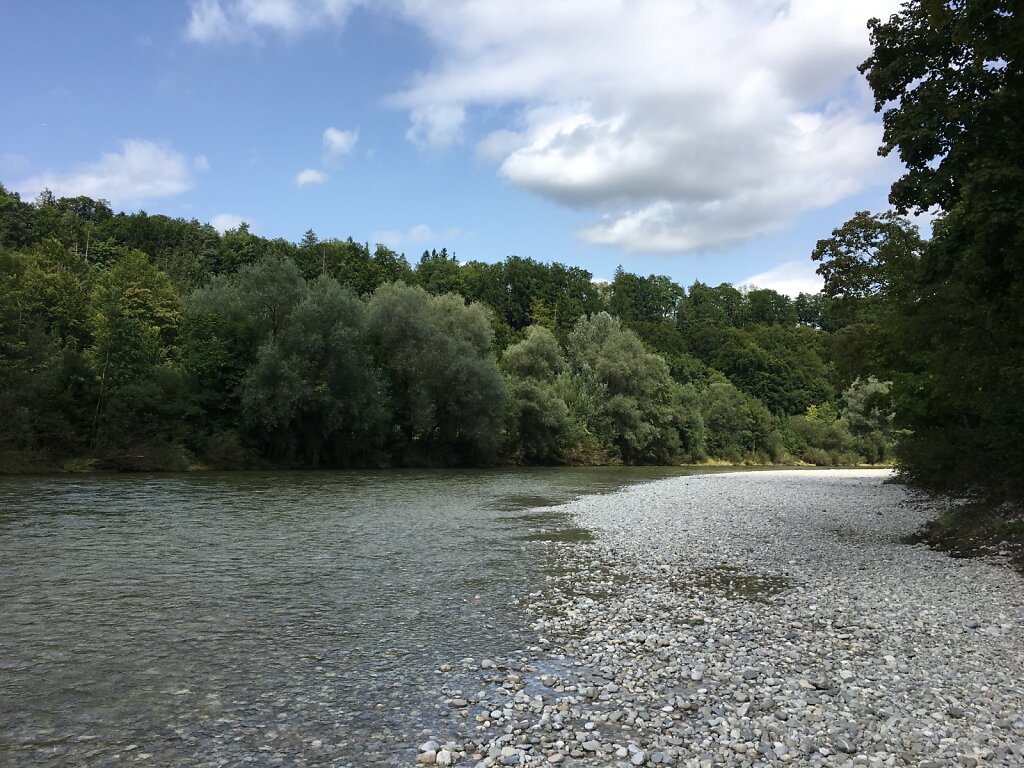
(753, 619)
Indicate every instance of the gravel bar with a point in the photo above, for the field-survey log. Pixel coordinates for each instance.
(751, 619)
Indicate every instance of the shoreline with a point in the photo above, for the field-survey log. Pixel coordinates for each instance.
(787, 626)
(92, 467)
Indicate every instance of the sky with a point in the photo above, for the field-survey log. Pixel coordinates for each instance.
(711, 140)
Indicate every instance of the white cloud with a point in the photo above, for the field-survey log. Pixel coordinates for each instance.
(222, 222)
(338, 143)
(142, 170)
(436, 126)
(684, 125)
(310, 176)
(235, 20)
(421, 234)
(791, 278)
(681, 125)
(209, 22)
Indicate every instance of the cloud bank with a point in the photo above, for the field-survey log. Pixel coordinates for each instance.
(223, 222)
(142, 170)
(791, 278)
(680, 125)
(419, 235)
(684, 125)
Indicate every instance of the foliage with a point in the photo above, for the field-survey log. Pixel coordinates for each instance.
(312, 396)
(444, 391)
(649, 299)
(868, 406)
(634, 407)
(948, 78)
(737, 425)
(942, 320)
(524, 292)
(142, 341)
(537, 423)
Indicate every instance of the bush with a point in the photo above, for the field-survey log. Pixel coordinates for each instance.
(874, 447)
(224, 451)
(819, 457)
(757, 458)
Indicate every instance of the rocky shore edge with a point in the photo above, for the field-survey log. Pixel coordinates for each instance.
(751, 619)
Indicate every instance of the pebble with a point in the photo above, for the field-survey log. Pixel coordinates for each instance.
(755, 619)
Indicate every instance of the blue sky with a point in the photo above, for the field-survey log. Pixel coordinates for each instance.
(704, 141)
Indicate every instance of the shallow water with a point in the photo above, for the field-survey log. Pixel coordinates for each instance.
(257, 618)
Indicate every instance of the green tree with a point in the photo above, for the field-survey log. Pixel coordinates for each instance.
(439, 273)
(797, 374)
(737, 425)
(645, 299)
(949, 79)
(347, 261)
(17, 220)
(445, 393)
(870, 266)
(188, 251)
(391, 267)
(768, 307)
(226, 325)
(312, 395)
(238, 248)
(868, 406)
(665, 340)
(524, 292)
(135, 313)
(55, 287)
(537, 422)
(626, 398)
(704, 306)
(253, 305)
(811, 309)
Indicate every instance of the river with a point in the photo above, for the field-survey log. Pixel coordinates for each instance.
(260, 618)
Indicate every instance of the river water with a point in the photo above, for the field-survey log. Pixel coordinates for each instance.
(261, 618)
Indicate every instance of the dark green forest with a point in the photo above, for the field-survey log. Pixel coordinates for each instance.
(943, 320)
(139, 341)
(142, 341)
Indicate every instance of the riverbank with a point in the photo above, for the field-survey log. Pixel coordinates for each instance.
(978, 529)
(165, 460)
(753, 619)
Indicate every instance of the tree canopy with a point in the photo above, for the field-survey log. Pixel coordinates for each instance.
(140, 341)
(943, 319)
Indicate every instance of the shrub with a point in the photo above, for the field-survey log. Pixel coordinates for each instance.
(817, 456)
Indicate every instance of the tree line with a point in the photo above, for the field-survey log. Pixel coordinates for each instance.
(141, 341)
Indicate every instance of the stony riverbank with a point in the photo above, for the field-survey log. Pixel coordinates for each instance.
(752, 619)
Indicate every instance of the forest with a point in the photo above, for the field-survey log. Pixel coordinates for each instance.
(138, 341)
